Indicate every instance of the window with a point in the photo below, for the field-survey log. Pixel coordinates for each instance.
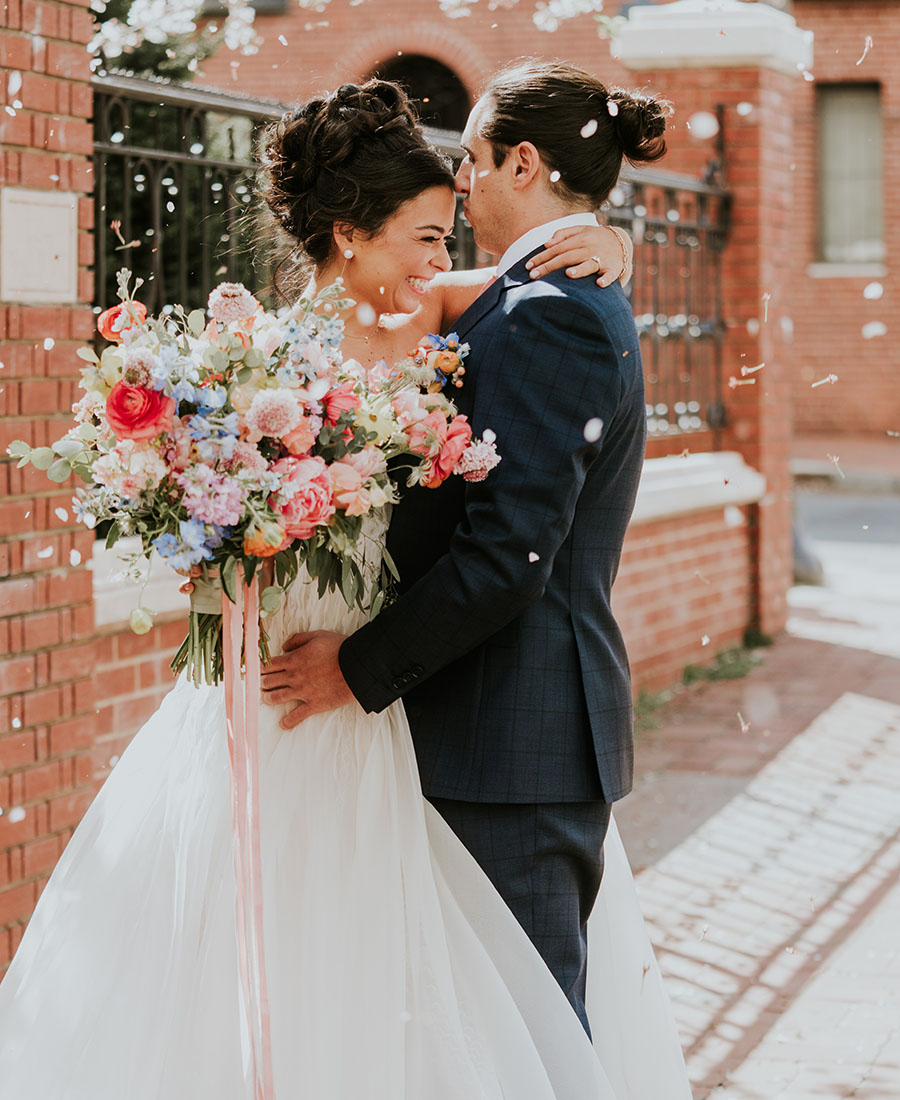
(850, 211)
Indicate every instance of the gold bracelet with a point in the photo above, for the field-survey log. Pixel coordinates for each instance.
(620, 237)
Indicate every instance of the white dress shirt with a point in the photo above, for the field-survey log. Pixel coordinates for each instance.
(534, 238)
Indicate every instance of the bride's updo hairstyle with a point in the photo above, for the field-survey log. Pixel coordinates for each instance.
(350, 159)
(582, 129)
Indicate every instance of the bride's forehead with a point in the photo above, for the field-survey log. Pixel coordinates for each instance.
(433, 208)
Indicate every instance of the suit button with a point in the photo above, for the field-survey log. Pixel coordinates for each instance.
(398, 682)
(416, 670)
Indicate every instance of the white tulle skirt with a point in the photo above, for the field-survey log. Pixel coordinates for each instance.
(395, 971)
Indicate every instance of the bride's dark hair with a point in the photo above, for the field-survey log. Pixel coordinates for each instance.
(352, 158)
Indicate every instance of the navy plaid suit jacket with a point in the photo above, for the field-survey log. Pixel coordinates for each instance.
(502, 642)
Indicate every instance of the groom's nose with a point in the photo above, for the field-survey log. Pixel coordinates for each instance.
(462, 182)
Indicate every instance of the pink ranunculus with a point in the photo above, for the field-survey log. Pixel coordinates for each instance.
(459, 432)
(299, 441)
(349, 493)
(340, 399)
(427, 436)
(134, 412)
(409, 405)
(306, 498)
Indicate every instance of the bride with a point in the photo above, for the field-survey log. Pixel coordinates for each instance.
(395, 971)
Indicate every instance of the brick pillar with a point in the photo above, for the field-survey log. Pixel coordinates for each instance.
(748, 58)
(47, 647)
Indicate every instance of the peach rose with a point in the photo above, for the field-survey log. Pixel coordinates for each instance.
(134, 412)
(299, 440)
(305, 500)
(459, 433)
(112, 323)
(349, 493)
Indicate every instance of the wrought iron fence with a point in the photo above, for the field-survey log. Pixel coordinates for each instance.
(174, 167)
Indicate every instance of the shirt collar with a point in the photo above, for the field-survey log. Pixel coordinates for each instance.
(534, 238)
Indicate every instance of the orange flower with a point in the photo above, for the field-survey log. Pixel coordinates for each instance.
(258, 542)
(110, 327)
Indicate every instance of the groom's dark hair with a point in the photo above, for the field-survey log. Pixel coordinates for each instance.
(581, 128)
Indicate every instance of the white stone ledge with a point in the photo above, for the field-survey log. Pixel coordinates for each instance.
(846, 271)
(703, 34)
(115, 596)
(678, 486)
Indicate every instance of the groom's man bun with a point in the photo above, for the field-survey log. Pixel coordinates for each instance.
(352, 158)
(582, 129)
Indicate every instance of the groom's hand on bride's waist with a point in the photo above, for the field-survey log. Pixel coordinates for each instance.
(307, 674)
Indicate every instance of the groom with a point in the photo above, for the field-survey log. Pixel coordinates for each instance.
(502, 643)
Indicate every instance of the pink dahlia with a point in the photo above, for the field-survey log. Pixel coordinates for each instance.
(273, 413)
(231, 302)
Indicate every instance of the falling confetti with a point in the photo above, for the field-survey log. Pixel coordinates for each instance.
(745, 370)
(49, 342)
(744, 109)
(745, 726)
(486, 172)
(282, 40)
(733, 382)
(703, 125)
(593, 429)
(873, 329)
(589, 128)
(15, 815)
(869, 43)
(835, 459)
(766, 298)
(704, 640)
(47, 552)
(828, 378)
(113, 760)
(61, 513)
(74, 557)
(14, 83)
(532, 557)
(366, 315)
(873, 291)
(489, 436)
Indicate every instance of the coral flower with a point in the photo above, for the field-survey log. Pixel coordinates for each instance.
(459, 433)
(134, 412)
(118, 319)
(262, 541)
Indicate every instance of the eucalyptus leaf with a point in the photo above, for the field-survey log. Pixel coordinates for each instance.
(19, 448)
(254, 358)
(67, 448)
(270, 600)
(42, 458)
(196, 322)
(60, 470)
(244, 375)
(377, 603)
(87, 354)
(229, 579)
(389, 562)
(112, 536)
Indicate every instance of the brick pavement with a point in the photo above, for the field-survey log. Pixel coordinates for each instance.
(766, 826)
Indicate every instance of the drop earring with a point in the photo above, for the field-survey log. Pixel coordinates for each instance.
(348, 253)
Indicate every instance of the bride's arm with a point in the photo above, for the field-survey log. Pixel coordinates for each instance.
(578, 249)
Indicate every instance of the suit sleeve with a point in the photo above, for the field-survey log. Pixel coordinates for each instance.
(552, 369)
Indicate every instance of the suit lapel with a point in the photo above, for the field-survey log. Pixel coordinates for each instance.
(486, 301)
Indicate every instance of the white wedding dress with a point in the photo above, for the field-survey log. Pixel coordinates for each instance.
(395, 971)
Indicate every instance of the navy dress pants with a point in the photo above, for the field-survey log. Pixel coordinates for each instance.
(546, 862)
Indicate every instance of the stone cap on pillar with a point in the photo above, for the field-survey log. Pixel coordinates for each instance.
(708, 34)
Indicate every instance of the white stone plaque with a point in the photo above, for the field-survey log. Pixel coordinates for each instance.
(38, 245)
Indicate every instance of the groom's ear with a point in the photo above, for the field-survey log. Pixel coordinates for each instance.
(525, 163)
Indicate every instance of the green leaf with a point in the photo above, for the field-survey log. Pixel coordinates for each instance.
(67, 448)
(250, 569)
(389, 562)
(229, 578)
(196, 322)
(19, 448)
(243, 375)
(87, 354)
(42, 458)
(60, 470)
(376, 604)
(270, 600)
(113, 536)
(254, 358)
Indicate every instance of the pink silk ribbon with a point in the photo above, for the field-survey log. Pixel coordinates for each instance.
(240, 630)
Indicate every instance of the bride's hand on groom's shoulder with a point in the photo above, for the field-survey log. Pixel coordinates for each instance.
(307, 674)
(599, 250)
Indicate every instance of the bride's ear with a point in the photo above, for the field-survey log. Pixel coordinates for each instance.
(526, 164)
(343, 238)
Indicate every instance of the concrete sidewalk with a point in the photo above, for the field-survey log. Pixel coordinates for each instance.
(766, 829)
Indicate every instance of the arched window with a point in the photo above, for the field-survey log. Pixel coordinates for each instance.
(440, 96)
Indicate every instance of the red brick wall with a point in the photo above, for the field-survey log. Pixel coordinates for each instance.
(682, 580)
(829, 313)
(46, 615)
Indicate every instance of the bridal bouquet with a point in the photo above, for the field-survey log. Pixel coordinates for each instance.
(226, 437)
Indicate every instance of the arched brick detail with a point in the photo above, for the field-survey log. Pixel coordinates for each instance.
(433, 39)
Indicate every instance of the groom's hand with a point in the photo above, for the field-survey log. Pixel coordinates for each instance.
(306, 673)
